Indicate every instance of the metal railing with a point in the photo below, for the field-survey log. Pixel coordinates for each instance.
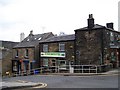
(68, 69)
(64, 69)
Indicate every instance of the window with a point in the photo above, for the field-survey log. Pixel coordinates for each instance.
(61, 47)
(39, 38)
(26, 53)
(62, 64)
(45, 48)
(45, 62)
(28, 39)
(111, 36)
(118, 39)
(17, 53)
(113, 56)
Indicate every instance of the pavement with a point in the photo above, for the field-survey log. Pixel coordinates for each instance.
(5, 85)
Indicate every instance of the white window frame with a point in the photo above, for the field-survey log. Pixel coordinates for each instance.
(63, 67)
(45, 47)
(44, 62)
(111, 36)
(61, 46)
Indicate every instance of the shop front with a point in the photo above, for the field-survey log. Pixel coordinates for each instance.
(21, 67)
(56, 61)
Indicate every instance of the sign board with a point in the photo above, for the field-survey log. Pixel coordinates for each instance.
(53, 54)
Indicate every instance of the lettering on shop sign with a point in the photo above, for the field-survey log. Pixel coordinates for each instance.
(52, 54)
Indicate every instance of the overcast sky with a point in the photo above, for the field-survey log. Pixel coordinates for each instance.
(55, 16)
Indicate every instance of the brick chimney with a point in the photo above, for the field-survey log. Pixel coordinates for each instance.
(90, 21)
(109, 25)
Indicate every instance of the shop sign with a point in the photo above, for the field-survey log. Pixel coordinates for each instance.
(52, 54)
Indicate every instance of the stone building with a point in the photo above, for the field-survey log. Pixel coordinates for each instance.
(6, 56)
(97, 44)
(57, 51)
(26, 53)
(91, 45)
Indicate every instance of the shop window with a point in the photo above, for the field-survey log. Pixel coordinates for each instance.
(62, 64)
(45, 48)
(45, 62)
(61, 47)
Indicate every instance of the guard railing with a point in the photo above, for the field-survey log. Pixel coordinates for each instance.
(67, 69)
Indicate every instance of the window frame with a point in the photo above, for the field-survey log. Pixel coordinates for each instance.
(45, 47)
(17, 53)
(44, 62)
(61, 46)
(26, 52)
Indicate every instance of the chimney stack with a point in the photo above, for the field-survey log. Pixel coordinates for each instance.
(90, 21)
(31, 33)
(22, 36)
(109, 25)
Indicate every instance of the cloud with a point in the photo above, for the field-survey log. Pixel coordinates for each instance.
(18, 16)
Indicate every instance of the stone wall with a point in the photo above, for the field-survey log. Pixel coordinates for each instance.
(54, 47)
(88, 47)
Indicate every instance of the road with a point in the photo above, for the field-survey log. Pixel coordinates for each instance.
(110, 81)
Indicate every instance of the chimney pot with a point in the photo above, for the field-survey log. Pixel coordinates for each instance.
(109, 25)
(31, 33)
(90, 21)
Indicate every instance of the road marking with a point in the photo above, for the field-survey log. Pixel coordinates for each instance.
(41, 86)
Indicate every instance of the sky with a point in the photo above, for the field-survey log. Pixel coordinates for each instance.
(41, 16)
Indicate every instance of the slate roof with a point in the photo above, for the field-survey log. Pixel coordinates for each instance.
(59, 38)
(33, 40)
(96, 26)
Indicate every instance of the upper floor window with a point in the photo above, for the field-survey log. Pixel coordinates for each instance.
(45, 48)
(61, 47)
(111, 36)
(26, 52)
(17, 53)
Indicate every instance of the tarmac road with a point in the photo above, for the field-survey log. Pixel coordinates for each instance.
(56, 81)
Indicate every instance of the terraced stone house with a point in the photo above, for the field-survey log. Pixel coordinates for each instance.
(57, 51)
(26, 53)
